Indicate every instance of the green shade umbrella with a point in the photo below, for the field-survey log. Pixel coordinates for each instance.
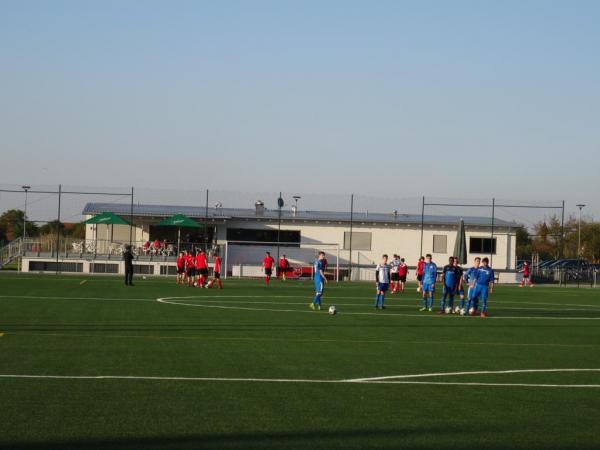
(179, 221)
(460, 247)
(106, 218)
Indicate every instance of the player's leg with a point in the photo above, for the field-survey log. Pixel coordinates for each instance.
(431, 297)
(424, 296)
(444, 296)
(484, 299)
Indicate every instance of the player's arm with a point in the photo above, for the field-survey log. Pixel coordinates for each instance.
(377, 275)
(492, 281)
(323, 277)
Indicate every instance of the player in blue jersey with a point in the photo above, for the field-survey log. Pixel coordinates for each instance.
(460, 287)
(472, 304)
(320, 281)
(428, 285)
(382, 281)
(484, 285)
(449, 276)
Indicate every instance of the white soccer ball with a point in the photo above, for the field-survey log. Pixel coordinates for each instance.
(448, 310)
(471, 311)
(332, 310)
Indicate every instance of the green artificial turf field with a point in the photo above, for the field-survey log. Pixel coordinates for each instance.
(251, 367)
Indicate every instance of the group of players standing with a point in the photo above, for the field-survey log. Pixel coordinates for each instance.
(193, 269)
(479, 278)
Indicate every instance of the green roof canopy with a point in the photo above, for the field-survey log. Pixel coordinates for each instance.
(106, 218)
(180, 221)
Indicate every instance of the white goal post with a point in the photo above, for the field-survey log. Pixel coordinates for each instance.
(244, 259)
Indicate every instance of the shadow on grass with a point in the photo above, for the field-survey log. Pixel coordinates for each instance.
(410, 438)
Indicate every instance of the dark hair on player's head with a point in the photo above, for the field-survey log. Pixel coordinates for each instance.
(268, 253)
(421, 258)
(451, 259)
(322, 253)
(485, 260)
(384, 256)
(428, 255)
(478, 259)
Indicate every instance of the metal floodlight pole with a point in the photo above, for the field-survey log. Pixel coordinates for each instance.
(492, 239)
(562, 231)
(580, 206)
(24, 235)
(350, 243)
(131, 218)
(422, 225)
(279, 206)
(58, 231)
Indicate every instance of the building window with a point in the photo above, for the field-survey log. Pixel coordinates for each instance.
(440, 243)
(482, 245)
(251, 236)
(360, 240)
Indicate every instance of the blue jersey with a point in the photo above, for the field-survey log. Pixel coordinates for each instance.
(429, 273)
(470, 275)
(450, 277)
(318, 266)
(484, 276)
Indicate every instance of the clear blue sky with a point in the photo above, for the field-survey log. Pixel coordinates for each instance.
(447, 98)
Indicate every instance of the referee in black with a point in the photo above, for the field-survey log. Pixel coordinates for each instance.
(128, 258)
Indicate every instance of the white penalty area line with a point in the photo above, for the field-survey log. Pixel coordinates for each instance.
(480, 372)
(178, 301)
(399, 379)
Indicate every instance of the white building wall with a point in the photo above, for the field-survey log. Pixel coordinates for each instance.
(402, 239)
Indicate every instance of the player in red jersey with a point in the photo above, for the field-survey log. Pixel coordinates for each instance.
(402, 273)
(526, 274)
(202, 268)
(180, 268)
(268, 263)
(420, 267)
(284, 267)
(216, 274)
(190, 268)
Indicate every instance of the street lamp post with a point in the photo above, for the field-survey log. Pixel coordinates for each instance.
(25, 188)
(580, 206)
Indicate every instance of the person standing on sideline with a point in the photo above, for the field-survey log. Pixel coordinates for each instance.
(128, 258)
(526, 281)
(402, 273)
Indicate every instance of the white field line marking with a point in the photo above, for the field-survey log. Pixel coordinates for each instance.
(166, 300)
(479, 372)
(100, 334)
(82, 282)
(367, 301)
(293, 380)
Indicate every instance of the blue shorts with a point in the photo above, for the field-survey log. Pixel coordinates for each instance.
(383, 286)
(449, 289)
(480, 291)
(319, 286)
(428, 287)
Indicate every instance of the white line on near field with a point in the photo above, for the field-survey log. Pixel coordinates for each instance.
(175, 301)
(479, 372)
(399, 379)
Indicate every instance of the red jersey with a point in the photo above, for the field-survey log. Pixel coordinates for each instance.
(189, 261)
(526, 270)
(283, 263)
(201, 261)
(147, 244)
(181, 261)
(268, 262)
(420, 266)
(217, 264)
(402, 270)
